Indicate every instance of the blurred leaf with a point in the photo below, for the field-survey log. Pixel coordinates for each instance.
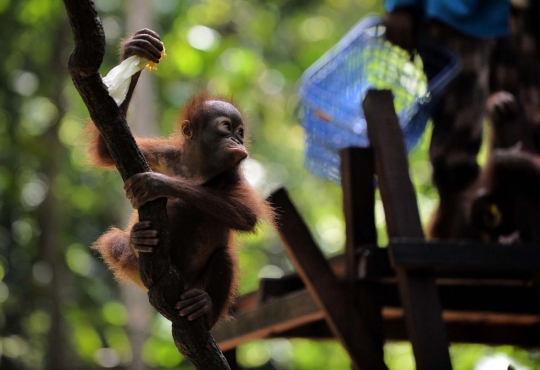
(115, 313)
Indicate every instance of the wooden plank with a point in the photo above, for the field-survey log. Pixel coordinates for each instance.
(504, 333)
(418, 292)
(391, 166)
(476, 314)
(502, 296)
(375, 266)
(344, 317)
(246, 301)
(511, 299)
(516, 330)
(496, 299)
(273, 317)
(475, 327)
(456, 256)
(271, 288)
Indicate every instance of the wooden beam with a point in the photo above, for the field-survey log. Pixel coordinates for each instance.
(418, 292)
(507, 332)
(500, 299)
(358, 184)
(517, 299)
(475, 327)
(475, 314)
(344, 318)
(271, 288)
(273, 317)
(451, 255)
(496, 293)
(502, 296)
(491, 329)
(375, 265)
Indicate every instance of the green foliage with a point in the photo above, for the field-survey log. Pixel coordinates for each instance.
(161, 353)
(53, 205)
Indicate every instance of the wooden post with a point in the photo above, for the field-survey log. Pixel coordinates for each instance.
(357, 181)
(418, 292)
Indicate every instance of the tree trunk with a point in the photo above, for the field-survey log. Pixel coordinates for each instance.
(157, 273)
(143, 120)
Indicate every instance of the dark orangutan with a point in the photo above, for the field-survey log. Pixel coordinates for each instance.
(503, 205)
(506, 204)
(198, 170)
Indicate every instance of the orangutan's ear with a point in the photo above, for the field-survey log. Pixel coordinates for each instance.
(187, 131)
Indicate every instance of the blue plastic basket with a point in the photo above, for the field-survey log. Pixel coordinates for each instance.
(333, 88)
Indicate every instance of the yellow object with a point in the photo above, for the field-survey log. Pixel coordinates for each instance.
(151, 66)
(496, 213)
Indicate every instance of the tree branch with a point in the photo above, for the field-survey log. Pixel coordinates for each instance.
(163, 280)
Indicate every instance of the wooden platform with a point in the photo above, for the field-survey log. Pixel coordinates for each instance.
(430, 293)
(481, 306)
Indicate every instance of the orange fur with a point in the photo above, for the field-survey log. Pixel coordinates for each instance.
(202, 220)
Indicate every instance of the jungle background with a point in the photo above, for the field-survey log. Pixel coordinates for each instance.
(59, 306)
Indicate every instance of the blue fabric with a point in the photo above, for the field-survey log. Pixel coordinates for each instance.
(478, 18)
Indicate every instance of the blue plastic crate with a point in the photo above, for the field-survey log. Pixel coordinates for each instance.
(333, 88)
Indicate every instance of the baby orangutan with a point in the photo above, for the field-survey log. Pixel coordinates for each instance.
(506, 204)
(198, 170)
